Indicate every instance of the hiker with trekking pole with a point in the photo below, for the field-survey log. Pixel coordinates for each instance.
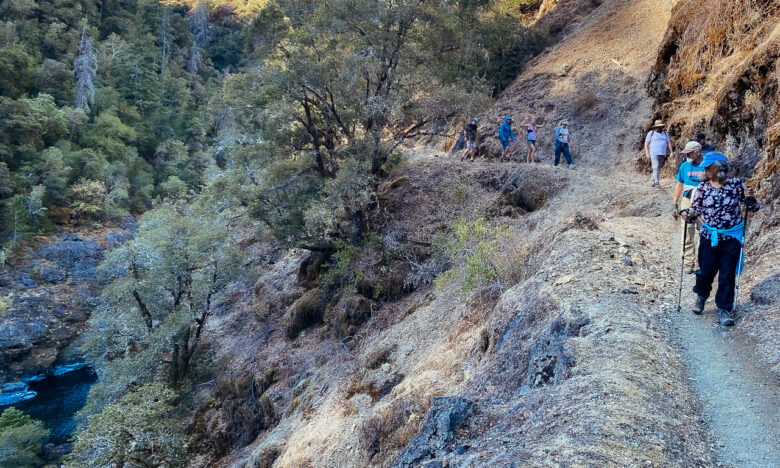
(688, 178)
(717, 202)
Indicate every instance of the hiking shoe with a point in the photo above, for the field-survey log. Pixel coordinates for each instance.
(689, 270)
(724, 318)
(699, 307)
(572, 166)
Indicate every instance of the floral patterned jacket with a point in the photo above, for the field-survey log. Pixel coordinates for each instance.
(718, 207)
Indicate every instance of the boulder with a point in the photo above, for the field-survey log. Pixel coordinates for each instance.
(436, 430)
(527, 190)
(79, 257)
(306, 311)
(768, 291)
(346, 316)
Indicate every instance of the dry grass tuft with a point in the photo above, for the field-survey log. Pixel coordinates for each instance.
(391, 428)
(306, 311)
(712, 30)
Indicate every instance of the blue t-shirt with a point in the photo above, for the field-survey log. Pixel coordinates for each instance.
(657, 142)
(689, 174)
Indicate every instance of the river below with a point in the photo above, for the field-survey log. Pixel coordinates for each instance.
(57, 398)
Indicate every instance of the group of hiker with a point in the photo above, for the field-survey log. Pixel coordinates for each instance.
(508, 141)
(707, 201)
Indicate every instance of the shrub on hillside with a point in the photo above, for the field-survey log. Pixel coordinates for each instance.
(482, 256)
(137, 430)
(21, 439)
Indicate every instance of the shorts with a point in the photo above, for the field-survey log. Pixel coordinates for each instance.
(531, 142)
(505, 144)
(471, 144)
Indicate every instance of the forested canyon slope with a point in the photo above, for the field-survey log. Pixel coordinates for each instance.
(252, 220)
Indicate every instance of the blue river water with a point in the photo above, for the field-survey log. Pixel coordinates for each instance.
(53, 398)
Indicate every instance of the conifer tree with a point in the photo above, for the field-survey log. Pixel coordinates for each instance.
(199, 26)
(85, 68)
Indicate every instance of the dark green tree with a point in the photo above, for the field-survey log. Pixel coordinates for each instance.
(21, 439)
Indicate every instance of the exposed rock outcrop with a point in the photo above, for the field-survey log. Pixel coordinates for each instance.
(436, 430)
(47, 292)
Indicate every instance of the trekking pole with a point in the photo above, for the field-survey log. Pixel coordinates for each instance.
(682, 265)
(741, 258)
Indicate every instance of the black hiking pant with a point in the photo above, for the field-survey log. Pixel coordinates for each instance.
(721, 260)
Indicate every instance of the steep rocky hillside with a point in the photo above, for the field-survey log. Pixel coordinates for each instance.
(459, 315)
(574, 355)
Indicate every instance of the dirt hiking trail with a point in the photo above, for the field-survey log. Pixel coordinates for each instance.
(740, 401)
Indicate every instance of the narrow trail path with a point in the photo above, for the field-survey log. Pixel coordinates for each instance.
(741, 402)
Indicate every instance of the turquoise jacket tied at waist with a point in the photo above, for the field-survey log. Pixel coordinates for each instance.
(737, 232)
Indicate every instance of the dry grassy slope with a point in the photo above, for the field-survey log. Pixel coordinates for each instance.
(606, 405)
(594, 77)
(570, 367)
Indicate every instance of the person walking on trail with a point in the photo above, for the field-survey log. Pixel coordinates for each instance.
(656, 144)
(688, 177)
(562, 141)
(506, 136)
(716, 201)
(533, 128)
(705, 147)
(471, 139)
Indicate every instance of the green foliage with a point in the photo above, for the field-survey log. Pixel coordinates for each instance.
(89, 198)
(134, 62)
(477, 261)
(137, 430)
(21, 439)
(16, 220)
(333, 90)
(163, 286)
(108, 135)
(338, 272)
(327, 116)
(173, 188)
(18, 71)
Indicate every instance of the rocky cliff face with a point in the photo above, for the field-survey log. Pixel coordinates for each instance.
(47, 292)
(717, 73)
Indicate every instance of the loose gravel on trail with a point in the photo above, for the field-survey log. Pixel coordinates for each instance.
(740, 400)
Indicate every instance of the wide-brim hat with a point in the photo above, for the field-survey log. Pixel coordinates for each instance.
(564, 122)
(659, 123)
(692, 146)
